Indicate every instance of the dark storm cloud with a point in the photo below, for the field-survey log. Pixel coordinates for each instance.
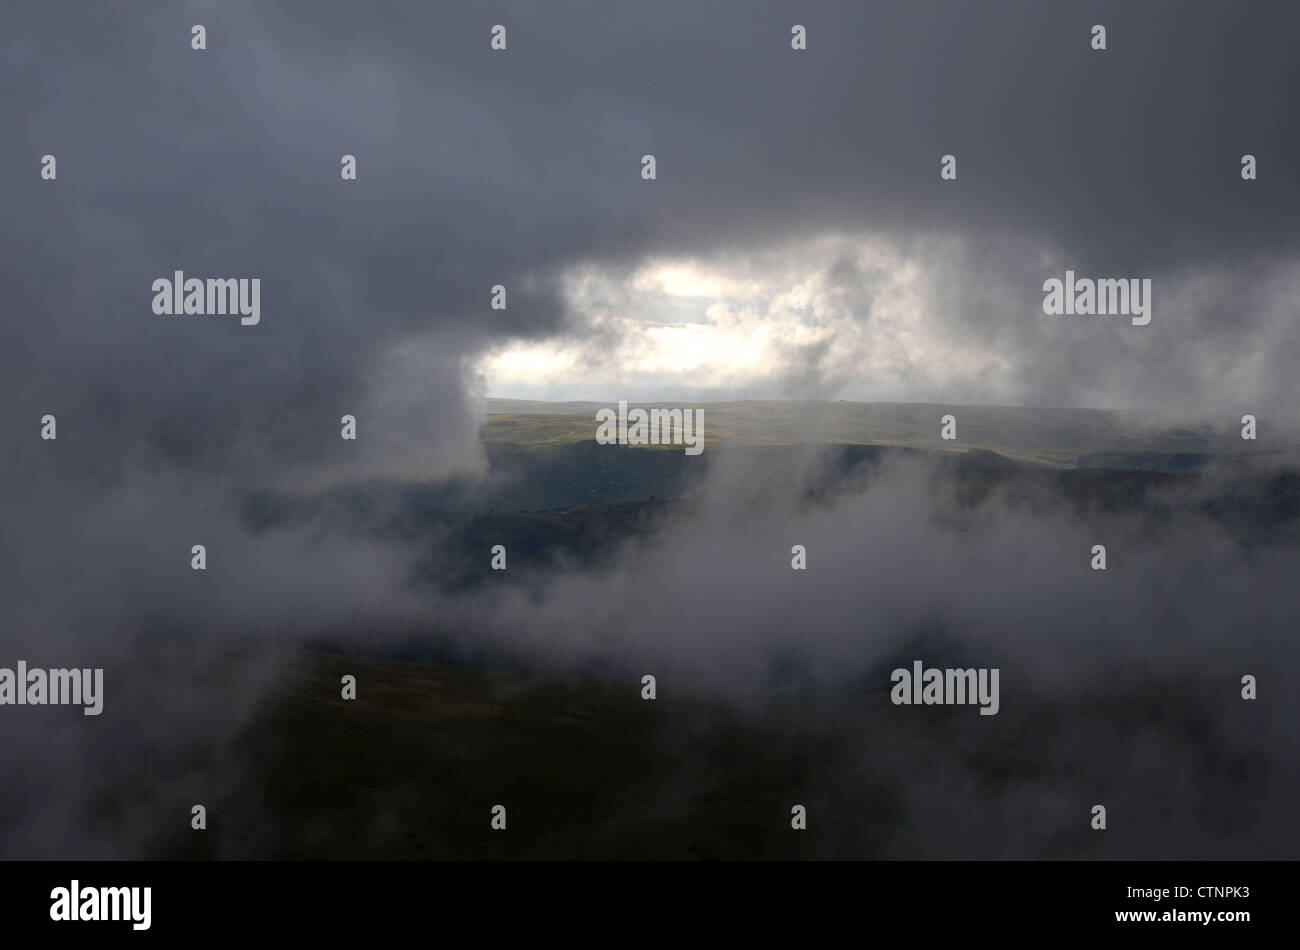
(477, 168)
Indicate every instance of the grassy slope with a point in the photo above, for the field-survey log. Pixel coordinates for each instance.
(585, 768)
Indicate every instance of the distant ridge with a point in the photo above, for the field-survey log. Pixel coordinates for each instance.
(1064, 438)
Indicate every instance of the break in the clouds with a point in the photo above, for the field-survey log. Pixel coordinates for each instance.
(928, 320)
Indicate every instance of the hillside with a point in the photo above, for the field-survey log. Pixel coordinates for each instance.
(1056, 437)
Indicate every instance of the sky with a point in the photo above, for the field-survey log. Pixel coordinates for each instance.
(776, 169)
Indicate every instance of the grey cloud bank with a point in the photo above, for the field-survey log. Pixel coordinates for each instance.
(476, 169)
